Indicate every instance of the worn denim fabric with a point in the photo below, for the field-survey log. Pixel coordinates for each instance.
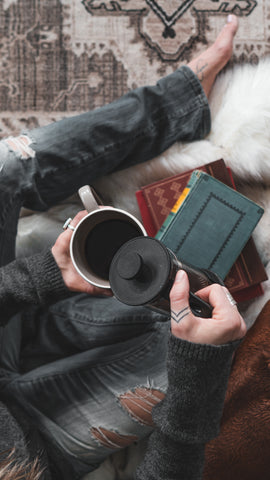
(87, 360)
(72, 365)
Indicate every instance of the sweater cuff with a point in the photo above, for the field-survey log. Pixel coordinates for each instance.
(197, 383)
(200, 352)
(47, 278)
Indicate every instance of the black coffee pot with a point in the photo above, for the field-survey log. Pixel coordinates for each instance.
(143, 270)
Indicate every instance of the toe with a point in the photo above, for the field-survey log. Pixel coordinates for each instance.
(232, 25)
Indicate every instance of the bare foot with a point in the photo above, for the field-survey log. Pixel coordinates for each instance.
(210, 62)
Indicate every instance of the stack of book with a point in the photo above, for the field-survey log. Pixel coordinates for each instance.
(202, 218)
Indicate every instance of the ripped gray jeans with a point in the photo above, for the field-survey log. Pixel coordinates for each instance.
(89, 370)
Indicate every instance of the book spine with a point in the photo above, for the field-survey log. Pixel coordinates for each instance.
(194, 177)
(145, 214)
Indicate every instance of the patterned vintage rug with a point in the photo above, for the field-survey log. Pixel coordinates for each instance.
(60, 57)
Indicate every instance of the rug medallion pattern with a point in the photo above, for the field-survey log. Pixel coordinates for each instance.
(62, 57)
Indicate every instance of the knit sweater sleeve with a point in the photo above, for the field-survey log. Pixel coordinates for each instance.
(34, 280)
(190, 414)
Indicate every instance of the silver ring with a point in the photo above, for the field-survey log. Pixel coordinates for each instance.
(67, 224)
(230, 298)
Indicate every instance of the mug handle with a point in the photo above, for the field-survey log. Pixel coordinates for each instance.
(89, 198)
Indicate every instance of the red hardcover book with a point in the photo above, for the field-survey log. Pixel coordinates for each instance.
(157, 199)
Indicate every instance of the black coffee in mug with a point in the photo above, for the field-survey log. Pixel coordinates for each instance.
(104, 240)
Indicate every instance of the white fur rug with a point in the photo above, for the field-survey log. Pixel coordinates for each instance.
(240, 134)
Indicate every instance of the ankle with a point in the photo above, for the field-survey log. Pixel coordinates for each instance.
(210, 62)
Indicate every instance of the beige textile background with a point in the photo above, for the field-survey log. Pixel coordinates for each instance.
(61, 57)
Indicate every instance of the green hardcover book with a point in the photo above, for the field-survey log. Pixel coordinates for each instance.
(210, 224)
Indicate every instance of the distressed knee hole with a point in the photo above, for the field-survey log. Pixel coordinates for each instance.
(140, 402)
(112, 439)
(21, 146)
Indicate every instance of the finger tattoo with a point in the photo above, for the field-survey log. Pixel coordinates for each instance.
(177, 317)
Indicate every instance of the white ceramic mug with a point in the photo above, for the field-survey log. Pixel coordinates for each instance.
(98, 236)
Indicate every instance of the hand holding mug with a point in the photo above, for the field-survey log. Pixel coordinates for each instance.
(225, 325)
(61, 253)
(85, 250)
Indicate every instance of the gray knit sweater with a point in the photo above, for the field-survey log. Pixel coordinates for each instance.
(185, 420)
(35, 280)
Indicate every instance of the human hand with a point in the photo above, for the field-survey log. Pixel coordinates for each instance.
(71, 277)
(225, 325)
